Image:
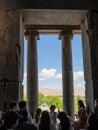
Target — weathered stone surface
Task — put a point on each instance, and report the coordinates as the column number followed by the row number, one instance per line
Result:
column 12, row 91
column 46, row 17
column 93, row 39
column 67, row 73
column 2, row 67
column 11, row 4
column 87, row 67
column 32, row 71
column 2, row 95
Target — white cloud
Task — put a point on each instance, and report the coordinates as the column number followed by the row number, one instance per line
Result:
column 58, row 76
column 78, row 74
column 51, row 73
column 47, row 73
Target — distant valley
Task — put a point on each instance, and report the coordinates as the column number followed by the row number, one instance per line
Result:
column 58, row 91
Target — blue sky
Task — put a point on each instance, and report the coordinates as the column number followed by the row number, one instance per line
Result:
column 50, row 62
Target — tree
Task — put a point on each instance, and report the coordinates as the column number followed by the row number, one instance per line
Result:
column 41, row 98
column 54, row 100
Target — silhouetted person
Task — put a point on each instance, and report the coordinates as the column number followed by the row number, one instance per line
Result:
column 13, row 106
column 96, row 106
column 53, row 115
column 64, row 121
column 93, row 122
column 36, row 119
column 80, row 105
column 23, row 124
column 10, row 121
column 23, row 106
column 45, row 123
column 81, row 122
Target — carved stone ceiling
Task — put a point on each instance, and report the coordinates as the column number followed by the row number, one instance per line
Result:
column 45, row 20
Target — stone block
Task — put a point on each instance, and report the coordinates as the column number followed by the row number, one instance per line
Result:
column 12, row 91
column 11, row 4
column 2, row 67
column 2, row 97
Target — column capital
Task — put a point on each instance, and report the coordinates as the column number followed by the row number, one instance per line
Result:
column 31, row 32
column 66, row 33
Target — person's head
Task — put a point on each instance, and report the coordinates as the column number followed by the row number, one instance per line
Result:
column 10, row 119
column 22, row 105
column 52, row 108
column 80, row 104
column 96, row 103
column 38, row 111
column 13, row 106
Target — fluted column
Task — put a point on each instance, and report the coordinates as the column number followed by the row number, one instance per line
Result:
column 67, row 73
column 32, row 71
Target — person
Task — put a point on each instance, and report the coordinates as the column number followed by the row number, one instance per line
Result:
column 64, row 121
column 10, row 121
column 96, row 106
column 81, row 122
column 23, row 106
column 80, row 105
column 23, row 124
column 45, row 123
column 1, row 116
column 53, row 115
column 92, row 122
column 13, row 106
column 36, row 119
column 93, row 117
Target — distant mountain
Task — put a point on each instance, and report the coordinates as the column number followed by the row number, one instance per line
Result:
column 58, row 91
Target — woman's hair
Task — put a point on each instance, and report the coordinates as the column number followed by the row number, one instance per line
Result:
column 64, row 121
column 37, row 114
column 81, row 104
column 38, row 111
column 44, row 121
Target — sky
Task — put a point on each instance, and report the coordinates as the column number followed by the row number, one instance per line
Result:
column 50, row 61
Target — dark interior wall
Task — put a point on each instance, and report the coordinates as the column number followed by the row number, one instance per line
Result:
column 54, row 4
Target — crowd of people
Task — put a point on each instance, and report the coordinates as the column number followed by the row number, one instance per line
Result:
column 18, row 118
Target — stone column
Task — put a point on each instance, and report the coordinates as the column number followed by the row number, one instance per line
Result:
column 92, row 20
column 67, row 73
column 32, row 71
column 10, row 53
column 87, row 68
